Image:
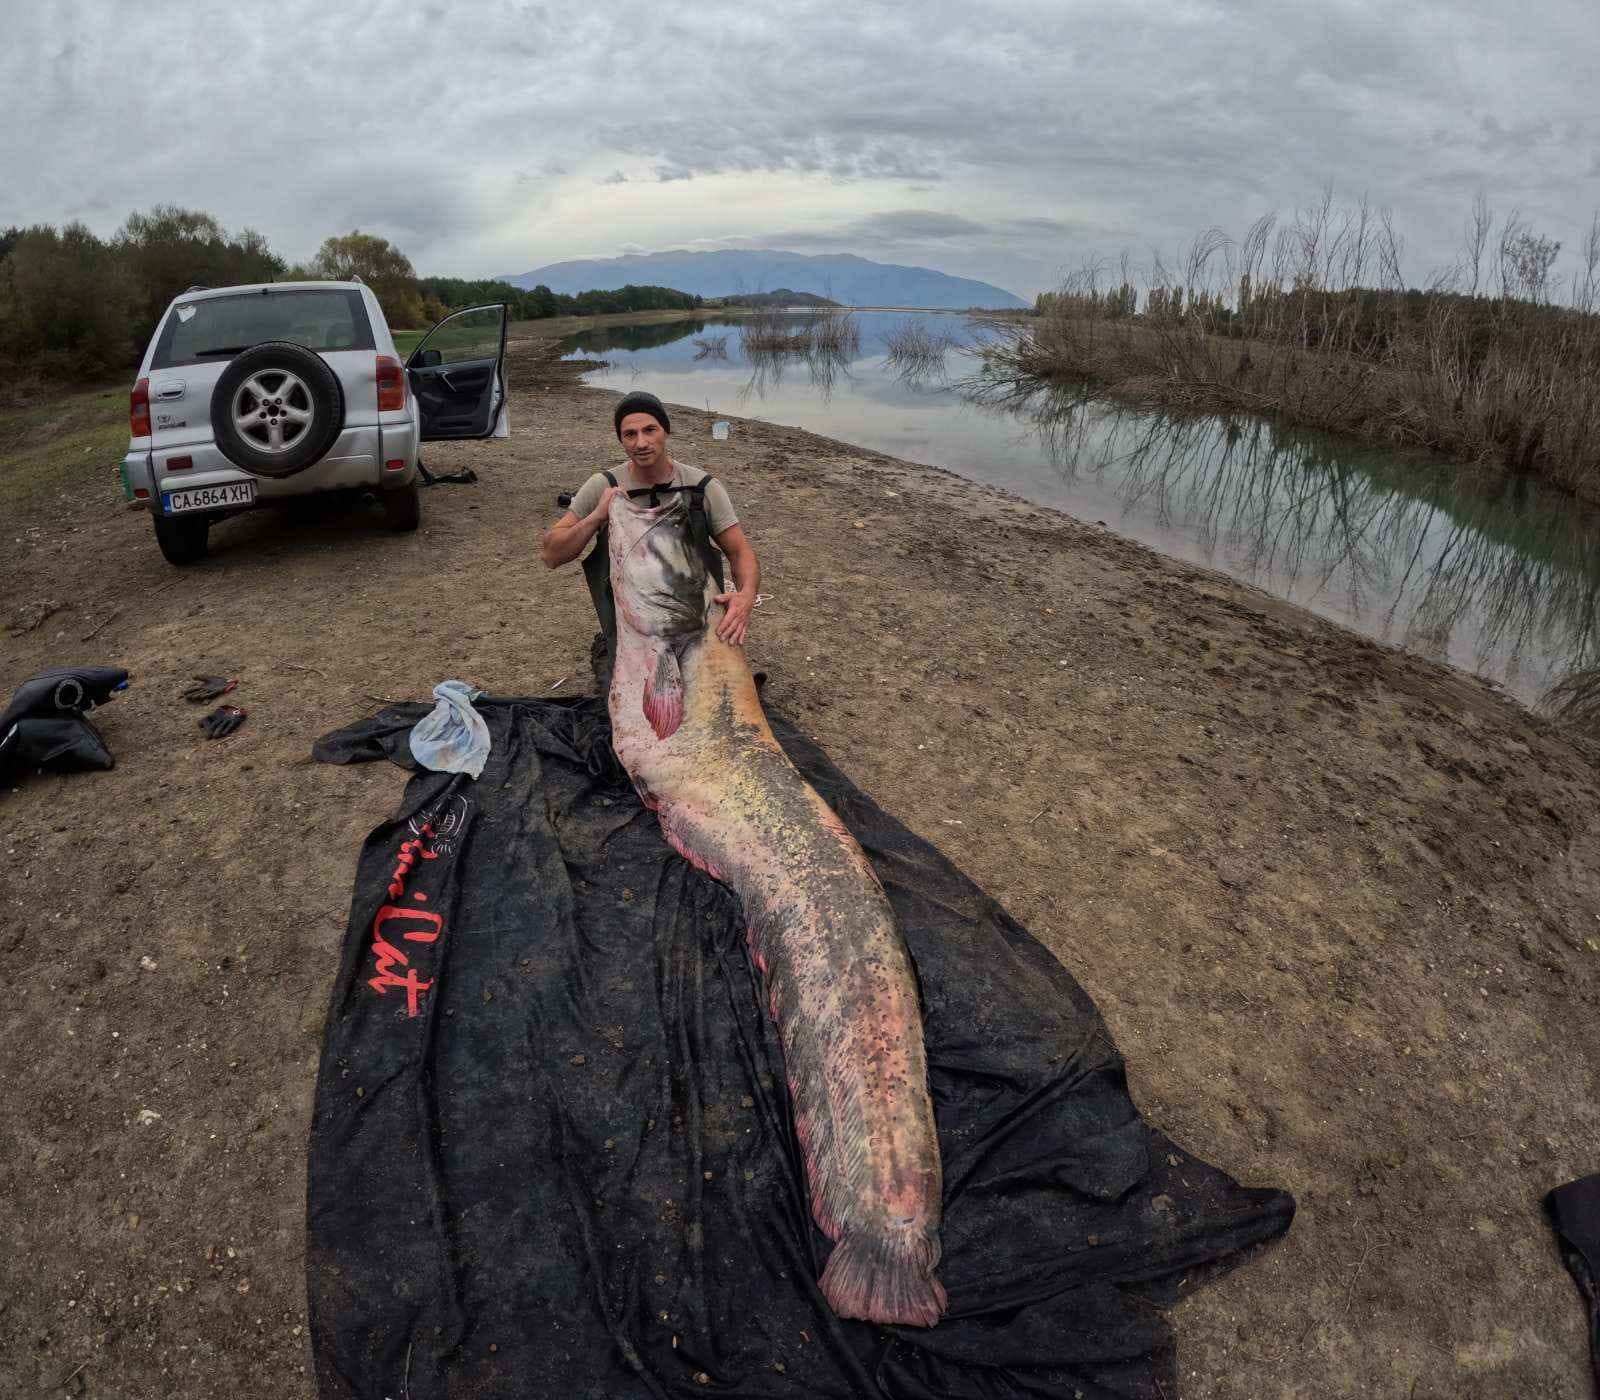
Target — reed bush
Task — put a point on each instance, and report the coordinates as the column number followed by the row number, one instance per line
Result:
column 917, row 351
column 772, row 332
column 1312, row 322
column 834, row 333
column 830, row 334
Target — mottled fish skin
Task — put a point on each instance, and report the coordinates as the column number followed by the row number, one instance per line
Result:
column 689, row 728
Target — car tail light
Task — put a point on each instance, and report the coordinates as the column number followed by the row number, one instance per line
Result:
column 391, row 384
column 396, row 464
column 179, row 464
column 140, row 494
column 139, row 410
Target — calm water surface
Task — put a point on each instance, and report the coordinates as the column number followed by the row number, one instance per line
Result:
column 1494, row 577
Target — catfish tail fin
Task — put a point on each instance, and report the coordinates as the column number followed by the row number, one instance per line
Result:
column 886, row 1278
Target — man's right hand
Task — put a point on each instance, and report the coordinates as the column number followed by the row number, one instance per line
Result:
column 566, row 539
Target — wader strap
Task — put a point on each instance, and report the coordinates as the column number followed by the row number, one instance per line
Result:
column 597, row 574
column 700, row 530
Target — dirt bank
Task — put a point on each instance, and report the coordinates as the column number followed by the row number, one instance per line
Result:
column 1339, row 906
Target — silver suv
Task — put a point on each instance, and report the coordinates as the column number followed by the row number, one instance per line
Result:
column 250, row 395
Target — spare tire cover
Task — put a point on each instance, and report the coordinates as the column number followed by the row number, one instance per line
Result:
column 277, row 408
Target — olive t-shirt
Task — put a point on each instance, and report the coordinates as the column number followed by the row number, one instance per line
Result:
column 720, row 514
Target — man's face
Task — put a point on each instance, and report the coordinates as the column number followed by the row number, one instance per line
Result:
column 644, row 440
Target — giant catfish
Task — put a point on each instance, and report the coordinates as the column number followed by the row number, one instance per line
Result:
column 688, row 727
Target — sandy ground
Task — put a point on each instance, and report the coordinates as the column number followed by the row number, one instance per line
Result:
column 1341, row 907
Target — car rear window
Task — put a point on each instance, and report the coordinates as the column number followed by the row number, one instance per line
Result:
column 218, row 328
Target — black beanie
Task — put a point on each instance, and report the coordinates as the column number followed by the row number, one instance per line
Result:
column 640, row 402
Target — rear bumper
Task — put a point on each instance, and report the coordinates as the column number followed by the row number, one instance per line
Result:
column 137, row 484
column 357, row 461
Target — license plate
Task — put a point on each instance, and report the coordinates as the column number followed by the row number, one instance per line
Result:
column 235, row 493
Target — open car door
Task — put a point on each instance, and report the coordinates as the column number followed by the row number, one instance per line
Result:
column 457, row 373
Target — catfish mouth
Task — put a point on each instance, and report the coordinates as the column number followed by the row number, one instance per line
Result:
column 662, row 578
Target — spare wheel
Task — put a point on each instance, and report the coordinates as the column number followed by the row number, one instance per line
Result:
column 277, row 408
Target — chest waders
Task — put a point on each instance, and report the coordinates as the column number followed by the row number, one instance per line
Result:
column 597, row 568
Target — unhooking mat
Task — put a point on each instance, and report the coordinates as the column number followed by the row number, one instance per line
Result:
column 552, row 1154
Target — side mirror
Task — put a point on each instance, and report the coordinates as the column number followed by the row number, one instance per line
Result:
column 427, row 359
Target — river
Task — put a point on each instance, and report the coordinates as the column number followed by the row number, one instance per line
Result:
column 1497, row 577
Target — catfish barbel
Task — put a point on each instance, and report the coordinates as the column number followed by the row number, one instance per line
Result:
column 688, row 726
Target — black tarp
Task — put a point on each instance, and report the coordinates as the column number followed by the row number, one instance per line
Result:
column 551, row 1152
column 1574, row 1213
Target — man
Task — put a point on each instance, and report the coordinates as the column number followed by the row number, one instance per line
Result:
column 642, row 427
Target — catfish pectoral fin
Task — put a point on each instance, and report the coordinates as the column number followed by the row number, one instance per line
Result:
column 663, row 694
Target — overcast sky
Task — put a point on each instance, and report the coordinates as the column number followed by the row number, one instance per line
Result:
column 1004, row 141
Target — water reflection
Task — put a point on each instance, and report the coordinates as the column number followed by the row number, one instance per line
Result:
column 710, row 347
column 1491, row 574
column 603, row 340
column 824, row 371
column 1499, row 577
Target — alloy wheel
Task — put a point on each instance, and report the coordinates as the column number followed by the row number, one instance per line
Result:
column 272, row 410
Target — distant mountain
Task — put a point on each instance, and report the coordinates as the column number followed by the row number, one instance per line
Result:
column 844, row 277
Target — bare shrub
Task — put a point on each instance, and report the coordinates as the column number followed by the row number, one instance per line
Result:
column 917, row 351
column 1574, row 701
column 771, row 331
column 1313, row 321
column 834, row 333
column 828, row 334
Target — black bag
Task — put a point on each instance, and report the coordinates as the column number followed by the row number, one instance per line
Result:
column 552, row 1152
column 44, row 726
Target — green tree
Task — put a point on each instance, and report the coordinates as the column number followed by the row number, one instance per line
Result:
column 379, row 264
column 68, row 305
column 169, row 249
column 545, row 302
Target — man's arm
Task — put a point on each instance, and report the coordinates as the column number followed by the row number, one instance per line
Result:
column 569, row 536
column 746, row 584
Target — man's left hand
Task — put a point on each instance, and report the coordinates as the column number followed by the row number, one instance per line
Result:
column 736, row 620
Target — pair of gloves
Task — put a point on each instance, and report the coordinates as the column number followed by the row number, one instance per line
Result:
column 223, row 720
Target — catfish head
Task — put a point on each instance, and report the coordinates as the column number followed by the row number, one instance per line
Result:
column 660, row 584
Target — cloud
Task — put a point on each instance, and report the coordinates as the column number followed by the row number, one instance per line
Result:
column 893, row 224
column 873, row 232
column 1037, row 224
column 1516, row 139
column 1030, row 133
